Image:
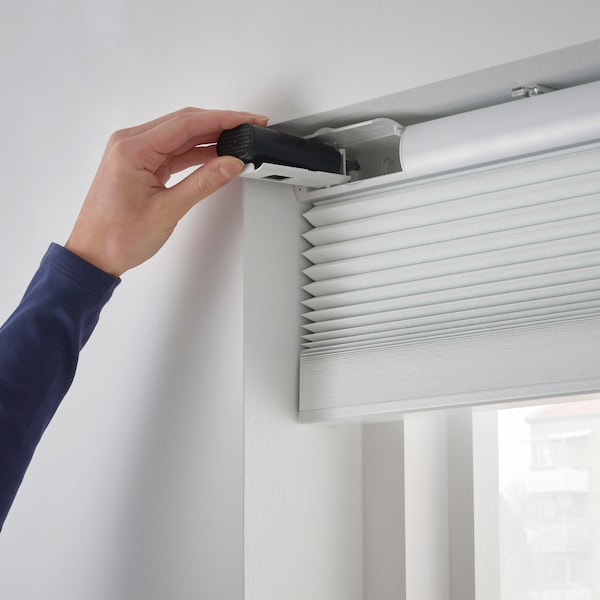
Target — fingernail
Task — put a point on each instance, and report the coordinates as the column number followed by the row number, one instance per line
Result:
column 257, row 117
column 231, row 168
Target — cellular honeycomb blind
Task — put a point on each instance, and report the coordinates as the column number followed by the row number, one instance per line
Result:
column 477, row 286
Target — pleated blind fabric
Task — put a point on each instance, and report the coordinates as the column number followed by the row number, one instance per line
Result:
column 446, row 264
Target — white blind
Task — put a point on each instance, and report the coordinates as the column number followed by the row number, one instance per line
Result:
column 444, row 290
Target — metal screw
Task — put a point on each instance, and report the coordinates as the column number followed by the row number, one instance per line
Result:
column 527, row 91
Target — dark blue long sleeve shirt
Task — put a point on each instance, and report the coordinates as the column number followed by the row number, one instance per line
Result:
column 39, row 350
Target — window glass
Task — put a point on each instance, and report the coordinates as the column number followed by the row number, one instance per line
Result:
column 549, row 512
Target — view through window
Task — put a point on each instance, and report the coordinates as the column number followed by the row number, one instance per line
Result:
column 549, row 472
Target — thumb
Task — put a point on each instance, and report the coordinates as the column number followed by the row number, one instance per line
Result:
column 205, row 181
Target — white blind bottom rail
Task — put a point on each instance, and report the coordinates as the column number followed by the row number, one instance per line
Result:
column 556, row 358
column 457, row 262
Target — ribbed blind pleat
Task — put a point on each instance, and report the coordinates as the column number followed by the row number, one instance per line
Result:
column 552, row 168
column 510, row 246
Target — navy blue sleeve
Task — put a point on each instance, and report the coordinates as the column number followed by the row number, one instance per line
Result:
column 39, row 350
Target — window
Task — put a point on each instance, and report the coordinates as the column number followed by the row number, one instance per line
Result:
column 494, row 503
column 438, row 298
column 548, row 518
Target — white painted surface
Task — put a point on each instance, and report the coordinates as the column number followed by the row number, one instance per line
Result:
column 486, row 504
column 303, row 485
column 383, row 511
column 460, row 505
column 136, row 491
column 426, row 507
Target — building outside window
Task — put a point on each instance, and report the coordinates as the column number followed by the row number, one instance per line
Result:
column 550, row 502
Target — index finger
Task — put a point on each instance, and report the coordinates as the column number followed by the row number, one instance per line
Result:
column 184, row 129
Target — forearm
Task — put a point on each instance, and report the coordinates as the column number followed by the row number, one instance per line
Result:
column 128, row 214
column 39, row 351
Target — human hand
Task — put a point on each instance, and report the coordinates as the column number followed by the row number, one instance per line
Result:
column 129, row 213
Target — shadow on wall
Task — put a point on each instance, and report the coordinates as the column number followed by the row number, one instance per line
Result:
column 183, row 522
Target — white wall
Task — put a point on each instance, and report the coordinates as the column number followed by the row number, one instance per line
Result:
column 136, row 491
column 303, row 485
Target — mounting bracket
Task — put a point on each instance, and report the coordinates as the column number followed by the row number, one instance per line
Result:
column 371, row 147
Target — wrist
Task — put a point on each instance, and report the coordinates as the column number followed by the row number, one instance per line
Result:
column 92, row 256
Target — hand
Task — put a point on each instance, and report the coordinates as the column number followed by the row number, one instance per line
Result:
column 129, row 213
